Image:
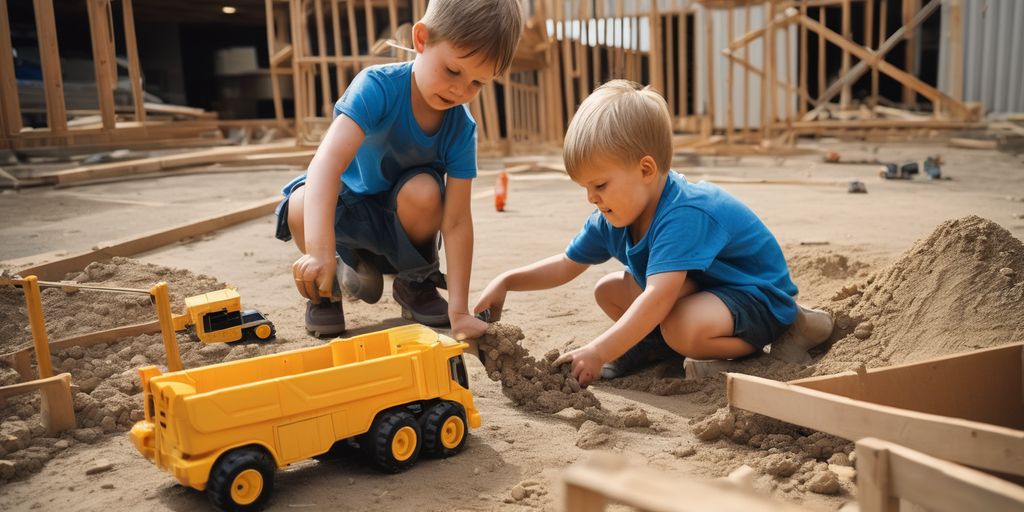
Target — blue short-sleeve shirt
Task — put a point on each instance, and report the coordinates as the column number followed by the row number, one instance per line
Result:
column 379, row 101
column 704, row 230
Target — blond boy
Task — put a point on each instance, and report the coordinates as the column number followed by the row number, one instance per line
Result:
column 395, row 169
column 704, row 277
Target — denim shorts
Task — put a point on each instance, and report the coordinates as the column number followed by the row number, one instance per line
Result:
column 752, row 321
column 367, row 227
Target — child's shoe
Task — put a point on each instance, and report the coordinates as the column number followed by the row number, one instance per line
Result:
column 421, row 302
column 365, row 282
column 650, row 350
column 811, row 328
column 326, row 318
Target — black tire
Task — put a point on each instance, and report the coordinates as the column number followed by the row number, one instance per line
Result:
column 231, row 485
column 444, row 429
column 381, row 447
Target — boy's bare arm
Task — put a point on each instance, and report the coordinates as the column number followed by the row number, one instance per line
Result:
column 646, row 313
column 314, row 271
column 457, row 230
column 547, row 273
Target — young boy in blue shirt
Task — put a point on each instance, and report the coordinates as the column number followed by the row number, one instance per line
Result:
column 704, row 277
column 395, row 169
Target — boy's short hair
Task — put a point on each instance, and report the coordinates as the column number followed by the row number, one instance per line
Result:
column 620, row 119
column 489, row 27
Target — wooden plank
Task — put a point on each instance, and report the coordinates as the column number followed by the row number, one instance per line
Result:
column 84, row 340
column 845, row 96
column 883, row 34
column 607, row 478
column 947, row 386
column 909, row 8
column 956, row 51
column 969, row 442
column 54, row 265
column 803, row 62
column 326, row 97
column 746, row 72
column 684, row 63
column 771, row 94
column 9, row 102
column 934, row 484
column 730, row 69
column 102, row 58
column 822, row 15
column 710, row 56
column 134, row 69
column 49, row 56
column 207, row 156
column 340, row 72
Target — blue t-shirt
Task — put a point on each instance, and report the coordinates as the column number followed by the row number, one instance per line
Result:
column 704, row 230
column 379, row 101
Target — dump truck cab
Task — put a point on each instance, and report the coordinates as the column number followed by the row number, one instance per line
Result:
column 225, row 428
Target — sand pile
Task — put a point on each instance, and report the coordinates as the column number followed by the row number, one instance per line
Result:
column 959, row 289
column 109, row 398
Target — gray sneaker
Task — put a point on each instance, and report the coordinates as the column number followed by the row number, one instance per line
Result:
column 365, row 282
column 325, row 319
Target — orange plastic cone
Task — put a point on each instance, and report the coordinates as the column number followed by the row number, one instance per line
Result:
column 501, row 191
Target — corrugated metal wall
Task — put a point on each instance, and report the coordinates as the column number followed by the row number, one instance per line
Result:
column 993, row 50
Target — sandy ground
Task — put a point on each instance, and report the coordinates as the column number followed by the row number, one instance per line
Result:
column 832, row 239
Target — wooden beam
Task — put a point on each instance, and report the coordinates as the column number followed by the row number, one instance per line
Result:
column 272, row 51
column 969, row 442
column 730, row 93
column 956, row 52
column 822, row 16
column 709, row 41
column 11, row 113
column 49, row 56
column 891, row 472
column 883, row 34
column 54, row 265
column 846, row 96
column 684, row 63
column 134, row 69
column 910, row 7
column 803, row 62
column 326, row 97
column 103, row 58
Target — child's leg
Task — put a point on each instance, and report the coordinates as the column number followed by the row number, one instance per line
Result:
column 295, row 224
column 419, row 209
column 615, row 292
column 700, row 326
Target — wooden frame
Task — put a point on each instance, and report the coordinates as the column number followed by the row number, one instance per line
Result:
column 965, row 408
column 589, row 486
column 887, row 473
column 56, row 407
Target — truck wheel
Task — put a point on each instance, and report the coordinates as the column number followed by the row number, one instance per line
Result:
column 242, row 479
column 264, row 331
column 393, row 442
column 444, row 429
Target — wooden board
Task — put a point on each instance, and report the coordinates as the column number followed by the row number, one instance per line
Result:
column 981, row 445
column 887, row 473
column 57, row 412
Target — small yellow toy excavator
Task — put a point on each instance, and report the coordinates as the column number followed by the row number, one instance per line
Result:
column 218, row 317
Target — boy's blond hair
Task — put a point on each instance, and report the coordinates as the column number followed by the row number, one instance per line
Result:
column 488, row 27
column 623, row 120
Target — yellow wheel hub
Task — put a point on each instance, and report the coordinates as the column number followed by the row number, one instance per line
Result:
column 263, row 331
column 403, row 444
column 247, row 487
column 452, row 432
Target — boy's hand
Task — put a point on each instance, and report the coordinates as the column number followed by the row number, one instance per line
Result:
column 466, row 326
column 314, row 277
column 492, row 299
column 586, row 364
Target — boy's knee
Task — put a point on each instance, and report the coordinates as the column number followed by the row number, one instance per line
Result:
column 607, row 285
column 421, row 193
column 682, row 338
column 295, row 207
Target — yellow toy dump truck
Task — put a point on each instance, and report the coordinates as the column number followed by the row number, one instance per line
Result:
column 218, row 317
column 225, row 428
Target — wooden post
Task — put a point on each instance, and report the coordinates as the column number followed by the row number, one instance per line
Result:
column 883, row 14
column 654, row 57
column 371, row 24
column 166, row 318
column 846, row 96
column 873, row 478
column 822, row 17
column 134, row 70
column 710, row 42
column 341, row 80
column 567, row 66
column 787, row 49
column 956, row 53
column 909, row 8
column 275, row 87
column 772, row 100
column 730, row 93
column 670, row 65
column 327, row 106
column 746, row 73
column 34, row 306
column 102, row 56
column 803, row 60
column 11, row 113
column 49, row 56
column 684, row 63
column 392, row 22
column 353, row 39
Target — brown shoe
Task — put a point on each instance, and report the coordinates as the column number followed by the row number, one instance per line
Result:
column 325, row 319
column 420, row 302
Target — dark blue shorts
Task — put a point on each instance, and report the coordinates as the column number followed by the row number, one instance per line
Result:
column 367, row 226
column 752, row 321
